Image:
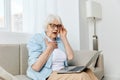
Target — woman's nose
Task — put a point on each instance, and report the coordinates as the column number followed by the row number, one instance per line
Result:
column 56, row 28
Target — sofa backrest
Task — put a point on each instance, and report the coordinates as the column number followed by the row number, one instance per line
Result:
column 9, row 58
column 23, row 58
column 13, row 58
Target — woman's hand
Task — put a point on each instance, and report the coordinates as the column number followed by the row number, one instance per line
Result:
column 51, row 44
column 63, row 32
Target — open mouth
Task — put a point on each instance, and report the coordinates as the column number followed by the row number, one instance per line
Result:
column 54, row 32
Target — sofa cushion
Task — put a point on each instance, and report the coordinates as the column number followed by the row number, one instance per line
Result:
column 82, row 58
column 22, row 77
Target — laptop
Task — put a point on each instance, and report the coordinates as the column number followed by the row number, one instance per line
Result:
column 77, row 69
column 71, row 69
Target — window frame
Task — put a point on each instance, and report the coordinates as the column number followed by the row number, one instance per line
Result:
column 7, row 17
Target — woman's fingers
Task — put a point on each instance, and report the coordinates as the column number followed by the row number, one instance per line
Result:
column 52, row 44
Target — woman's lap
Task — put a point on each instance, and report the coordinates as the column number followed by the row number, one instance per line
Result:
column 88, row 75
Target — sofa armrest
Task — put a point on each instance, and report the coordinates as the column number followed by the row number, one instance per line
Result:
column 99, row 62
column 99, row 67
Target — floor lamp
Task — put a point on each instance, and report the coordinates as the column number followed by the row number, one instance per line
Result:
column 93, row 13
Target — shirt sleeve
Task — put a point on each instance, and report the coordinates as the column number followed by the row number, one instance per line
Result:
column 34, row 49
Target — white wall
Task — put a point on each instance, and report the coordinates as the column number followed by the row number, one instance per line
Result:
column 73, row 17
column 70, row 18
column 108, row 30
column 84, row 29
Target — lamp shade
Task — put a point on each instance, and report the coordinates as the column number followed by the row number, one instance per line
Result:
column 93, row 10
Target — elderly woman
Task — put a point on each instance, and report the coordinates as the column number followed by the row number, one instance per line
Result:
column 49, row 51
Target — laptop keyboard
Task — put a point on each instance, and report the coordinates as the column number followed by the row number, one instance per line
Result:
column 77, row 68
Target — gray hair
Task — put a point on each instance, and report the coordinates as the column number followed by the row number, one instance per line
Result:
column 50, row 19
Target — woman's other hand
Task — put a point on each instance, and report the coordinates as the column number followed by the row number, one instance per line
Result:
column 63, row 32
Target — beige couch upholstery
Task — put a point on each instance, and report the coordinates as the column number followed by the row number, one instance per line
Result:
column 13, row 58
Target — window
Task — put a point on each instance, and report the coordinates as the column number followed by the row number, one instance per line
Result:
column 16, row 15
column 1, row 13
column 11, row 15
column 25, row 15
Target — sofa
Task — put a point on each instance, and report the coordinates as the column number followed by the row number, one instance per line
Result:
column 13, row 59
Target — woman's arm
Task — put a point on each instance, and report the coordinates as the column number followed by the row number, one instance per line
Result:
column 42, row 59
column 69, row 51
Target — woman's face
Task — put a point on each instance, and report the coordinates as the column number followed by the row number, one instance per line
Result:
column 53, row 29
